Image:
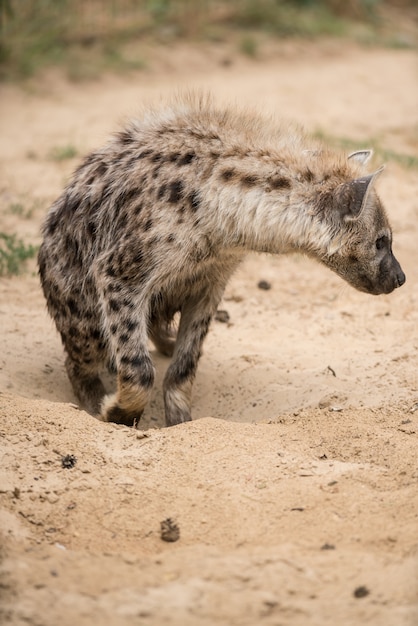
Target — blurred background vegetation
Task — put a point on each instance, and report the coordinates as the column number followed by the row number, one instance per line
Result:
column 78, row 34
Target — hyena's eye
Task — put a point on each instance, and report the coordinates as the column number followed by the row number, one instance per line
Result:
column 381, row 242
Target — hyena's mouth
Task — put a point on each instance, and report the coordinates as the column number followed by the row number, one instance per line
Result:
column 382, row 286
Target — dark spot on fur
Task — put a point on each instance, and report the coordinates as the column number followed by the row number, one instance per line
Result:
column 91, row 229
column 73, row 307
column 125, row 198
column 175, row 191
column 138, row 208
column 128, row 378
column 145, row 375
column 130, row 325
column 89, row 159
column 96, row 334
column 185, row 369
column 125, row 137
column 124, row 338
column 148, row 224
column 194, row 200
column 157, row 158
column 110, row 271
column 161, row 191
column 114, row 329
column 186, row 158
column 170, row 239
column 101, row 168
column 138, row 259
column 72, row 202
column 280, row 182
column 249, row 180
column 308, row 175
column 114, row 305
column 122, row 221
column 128, row 303
column 228, row 174
column 144, row 154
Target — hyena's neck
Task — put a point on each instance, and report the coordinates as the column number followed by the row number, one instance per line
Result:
column 262, row 219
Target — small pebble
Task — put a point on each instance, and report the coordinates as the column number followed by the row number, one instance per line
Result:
column 264, row 284
column 68, row 461
column 361, row 592
column 169, row 530
column 222, row 316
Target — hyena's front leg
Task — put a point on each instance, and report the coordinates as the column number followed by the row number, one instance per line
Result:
column 178, row 381
column 127, row 327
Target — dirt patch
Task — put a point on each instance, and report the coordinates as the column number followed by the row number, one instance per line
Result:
column 296, row 501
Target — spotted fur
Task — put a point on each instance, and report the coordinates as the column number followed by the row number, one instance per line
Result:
column 156, row 221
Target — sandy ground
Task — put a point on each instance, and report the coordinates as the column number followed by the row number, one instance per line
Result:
column 295, row 487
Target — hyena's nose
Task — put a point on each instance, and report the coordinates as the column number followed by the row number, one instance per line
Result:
column 401, row 278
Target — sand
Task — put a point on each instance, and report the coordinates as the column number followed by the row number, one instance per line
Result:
column 295, row 487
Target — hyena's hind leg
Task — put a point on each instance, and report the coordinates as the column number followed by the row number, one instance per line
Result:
column 128, row 341
column 85, row 355
column 196, row 316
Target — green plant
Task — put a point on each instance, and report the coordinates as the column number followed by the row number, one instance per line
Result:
column 62, row 153
column 248, row 46
column 13, row 254
column 19, row 209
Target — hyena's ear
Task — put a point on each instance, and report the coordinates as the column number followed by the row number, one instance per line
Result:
column 352, row 196
column 361, row 156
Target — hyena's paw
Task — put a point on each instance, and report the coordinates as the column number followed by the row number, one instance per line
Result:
column 177, row 400
column 87, row 386
column 112, row 411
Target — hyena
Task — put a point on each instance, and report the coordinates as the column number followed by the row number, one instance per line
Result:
column 156, row 221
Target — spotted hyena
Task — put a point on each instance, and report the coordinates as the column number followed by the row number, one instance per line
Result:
column 156, row 221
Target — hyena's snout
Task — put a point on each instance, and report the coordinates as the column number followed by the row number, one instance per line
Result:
column 398, row 276
column 390, row 276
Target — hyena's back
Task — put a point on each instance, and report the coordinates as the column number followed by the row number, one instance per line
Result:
column 156, row 222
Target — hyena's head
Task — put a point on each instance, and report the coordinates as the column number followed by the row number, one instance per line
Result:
column 360, row 244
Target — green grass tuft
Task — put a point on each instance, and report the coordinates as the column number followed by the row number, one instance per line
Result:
column 248, row 46
column 63, row 153
column 19, row 209
column 14, row 254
